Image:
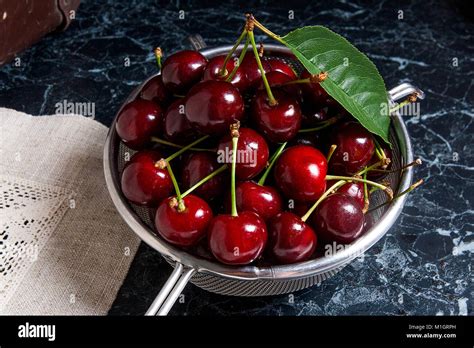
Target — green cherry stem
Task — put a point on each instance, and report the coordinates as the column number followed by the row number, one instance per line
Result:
column 323, row 124
column 241, row 58
column 408, row 190
column 275, row 156
column 169, row 143
column 204, row 180
column 331, row 152
column 332, row 189
column 266, row 31
column 186, row 148
column 235, row 140
column 231, row 52
column 366, row 195
column 411, row 99
column 271, row 99
column 379, row 151
column 386, row 189
column 181, row 206
column 158, row 54
column 307, row 80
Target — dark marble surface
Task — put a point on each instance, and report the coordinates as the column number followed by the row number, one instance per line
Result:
column 423, row 265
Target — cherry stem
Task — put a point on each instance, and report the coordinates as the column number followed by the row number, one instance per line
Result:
column 366, row 195
column 235, row 140
column 374, row 166
column 332, row 189
column 411, row 99
column 169, row 143
column 416, row 162
column 204, row 180
column 223, row 70
column 386, row 189
column 379, row 151
column 408, row 190
column 241, row 58
column 181, row 206
column 275, row 156
column 331, row 152
column 271, row 99
column 158, row 55
column 186, row 148
column 306, row 80
column 324, row 124
column 267, row 31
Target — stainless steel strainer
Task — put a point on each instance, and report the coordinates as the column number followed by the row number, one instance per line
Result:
column 253, row 280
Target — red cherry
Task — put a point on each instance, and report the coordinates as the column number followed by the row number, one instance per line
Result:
column 276, row 79
column 197, row 166
column 313, row 93
column 155, row 91
column 262, row 200
column 338, row 218
column 355, row 148
column 312, row 116
column 182, row 70
column 290, row 239
column 213, row 70
column 184, row 228
column 142, row 182
column 279, row 123
column 250, row 68
column 137, row 122
column 353, row 189
column 252, row 153
column 176, row 126
column 281, row 66
column 237, row 240
column 300, row 173
column 212, row 106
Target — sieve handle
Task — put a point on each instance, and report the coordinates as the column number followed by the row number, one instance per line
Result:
column 403, row 90
column 171, row 290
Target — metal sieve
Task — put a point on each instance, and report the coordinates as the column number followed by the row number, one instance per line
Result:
column 253, row 280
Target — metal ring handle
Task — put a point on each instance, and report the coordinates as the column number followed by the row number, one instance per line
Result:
column 403, row 90
column 171, row 290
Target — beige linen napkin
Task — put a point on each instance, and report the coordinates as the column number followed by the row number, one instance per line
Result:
column 63, row 247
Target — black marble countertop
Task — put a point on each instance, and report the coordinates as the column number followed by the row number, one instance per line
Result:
column 423, row 265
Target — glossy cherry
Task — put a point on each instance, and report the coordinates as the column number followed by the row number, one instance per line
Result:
column 338, row 218
column 313, row 93
column 143, row 182
column 212, row 106
column 182, row 70
column 214, row 67
column 176, row 127
column 137, row 122
column 197, row 166
column 300, row 173
column 277, row 79
column 262, row 200
column 183, row 228
column 355, row 148
column 279, row 123
column 156, row 91
column 237, row 240
column 352, row 189
column 290, row 239
column 313, row 116
column 250, row 68
column 252, row 153
column 279, row 65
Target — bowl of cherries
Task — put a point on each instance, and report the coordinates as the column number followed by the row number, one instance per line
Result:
column 258, row 170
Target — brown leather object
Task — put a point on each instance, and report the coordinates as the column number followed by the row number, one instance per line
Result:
column 23, row 22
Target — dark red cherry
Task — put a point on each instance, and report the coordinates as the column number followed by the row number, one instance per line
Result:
column 300, row 173
column 237, row 240
column 355, row 148
column 281, row 66
column 250, row 68
column 142, row 182
column 352, row 189
column 308, row 138
column 182, row 70
column 183, row 228
column 252, row 153
column 176, row 126
column 137, row 122
column 279, row 123
column 214, row 67
column 197, row 166
column 155, row 91
column 290, row 239
column 313, row 116
column 276, row 79
column 313, row 93
column 262, row 200
column 212, row 106
column 338, row 218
